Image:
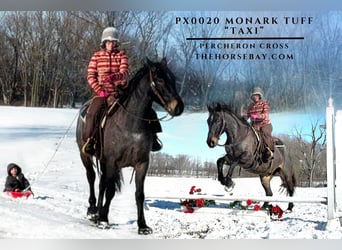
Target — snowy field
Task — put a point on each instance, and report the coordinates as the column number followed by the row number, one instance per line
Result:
column 42, row 142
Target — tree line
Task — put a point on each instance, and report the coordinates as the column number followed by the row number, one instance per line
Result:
column 44, row 57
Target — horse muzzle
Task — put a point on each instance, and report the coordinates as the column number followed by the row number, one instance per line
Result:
column 175, row 107
column 212, row 141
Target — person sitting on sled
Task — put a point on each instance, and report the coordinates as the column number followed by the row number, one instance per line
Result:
column 16, row 181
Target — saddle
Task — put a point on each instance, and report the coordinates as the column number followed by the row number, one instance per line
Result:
column 108, row 111
column 262, row 149
column 100, row 122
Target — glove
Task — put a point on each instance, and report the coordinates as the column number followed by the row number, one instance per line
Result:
column 110, row 100
column 112, row 78
column 255, row 116
column 103, row 93
column 109, row 78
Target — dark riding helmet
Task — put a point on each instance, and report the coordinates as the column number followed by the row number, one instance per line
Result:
column 257, row 91
column 109, row 34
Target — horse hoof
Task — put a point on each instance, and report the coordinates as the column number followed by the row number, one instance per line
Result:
column 103, row 225
column 92, row 217
column 145, row 231
column 229, row 188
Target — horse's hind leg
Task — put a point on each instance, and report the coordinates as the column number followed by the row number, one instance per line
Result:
column 140, row 173
column 289, row 183
column 91, row 176
column 102, row 212
column 266, row 184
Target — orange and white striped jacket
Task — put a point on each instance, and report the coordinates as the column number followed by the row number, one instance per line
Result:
column 103, row 64
column 262, row 108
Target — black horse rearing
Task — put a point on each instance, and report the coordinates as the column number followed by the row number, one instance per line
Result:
column 242, row 148
column 127, row 139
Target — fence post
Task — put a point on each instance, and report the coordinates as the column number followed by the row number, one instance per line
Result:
column 331, row 167
column 338, row 162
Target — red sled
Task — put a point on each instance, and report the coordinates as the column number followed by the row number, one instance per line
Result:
column 14, row 194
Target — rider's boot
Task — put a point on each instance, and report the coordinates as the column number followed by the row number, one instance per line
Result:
column 267, row 155
column 156, row 144
column 270, row 153
column 89, row 147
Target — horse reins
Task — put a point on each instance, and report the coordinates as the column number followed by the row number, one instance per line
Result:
column 255, row 161
column 156, row 92
column 222, row 129
column 141, row 118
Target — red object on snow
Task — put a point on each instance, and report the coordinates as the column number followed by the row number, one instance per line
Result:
column 14, row 194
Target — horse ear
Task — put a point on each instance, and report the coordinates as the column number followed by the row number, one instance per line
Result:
column 148, row 61
column 164, row 62
column 210, row 109
column 218, row 106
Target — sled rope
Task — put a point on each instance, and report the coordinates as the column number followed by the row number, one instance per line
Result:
column 56, row 149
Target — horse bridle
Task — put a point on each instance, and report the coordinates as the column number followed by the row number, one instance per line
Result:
column 224, row 125
column 233, row 145
column 222, row 129
column 156, row 92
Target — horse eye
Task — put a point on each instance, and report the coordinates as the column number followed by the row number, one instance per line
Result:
column 159, row 80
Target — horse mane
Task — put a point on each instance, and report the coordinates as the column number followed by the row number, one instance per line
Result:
column 136, row 78
column 132, row 83
column 143, row 71
column 232, row 109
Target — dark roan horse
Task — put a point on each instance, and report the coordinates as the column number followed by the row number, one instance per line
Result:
column 243, row 147
column 127, row 139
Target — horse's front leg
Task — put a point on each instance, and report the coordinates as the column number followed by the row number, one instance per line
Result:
column 225, row 180
column 228, row 180
column 140, row 174
column 220, row 162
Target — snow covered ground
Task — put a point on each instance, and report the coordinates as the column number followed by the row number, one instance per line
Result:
column 42, row 142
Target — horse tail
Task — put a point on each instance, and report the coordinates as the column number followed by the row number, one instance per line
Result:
column 289, row 180
column 287, row 173
column 118, row 179
column 289, row 183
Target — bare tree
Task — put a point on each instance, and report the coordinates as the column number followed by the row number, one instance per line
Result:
column 311, row 147
column 9, row 61
column 44, row 55
column 184, row 51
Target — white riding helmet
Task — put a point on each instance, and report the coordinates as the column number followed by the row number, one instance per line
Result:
column 257, row 91
column 109, row 34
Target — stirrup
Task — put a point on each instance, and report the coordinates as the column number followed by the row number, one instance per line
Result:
column 88, row 147
column 266, row 155
column 269, row 154
column 156, row 144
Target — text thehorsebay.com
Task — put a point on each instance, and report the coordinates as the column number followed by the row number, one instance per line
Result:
column 245, row 38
